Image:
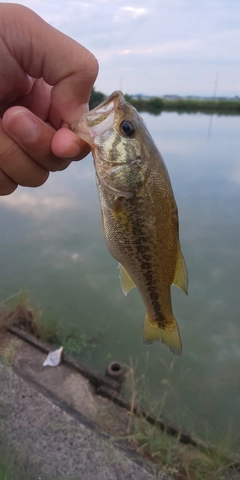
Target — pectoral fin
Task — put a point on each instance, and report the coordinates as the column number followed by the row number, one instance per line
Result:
column 181, row 274
column 103, row 224
column 125, row 280
column 170, row 338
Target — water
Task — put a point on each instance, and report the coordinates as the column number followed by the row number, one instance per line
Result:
column 52, row 247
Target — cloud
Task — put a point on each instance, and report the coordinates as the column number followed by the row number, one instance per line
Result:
column 133, row 11
column 28, row 203
column 236, row 175
column 175, row 49
column 61, row 194
column 154, row 46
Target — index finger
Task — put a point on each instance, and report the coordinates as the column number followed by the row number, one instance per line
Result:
column 43, row 51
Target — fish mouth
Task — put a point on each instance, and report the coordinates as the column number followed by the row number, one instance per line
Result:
column 100, row 119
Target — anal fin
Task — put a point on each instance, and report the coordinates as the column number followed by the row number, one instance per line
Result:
column 126, row 282
column 181, row 274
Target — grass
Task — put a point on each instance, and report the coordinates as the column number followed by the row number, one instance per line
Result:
column 43, row 327
column 183, row 462
column 12, row 466
column 7, row 352
column 180, row 461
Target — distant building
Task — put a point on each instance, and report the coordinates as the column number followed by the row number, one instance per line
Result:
column 140, row 95
column 171, row 97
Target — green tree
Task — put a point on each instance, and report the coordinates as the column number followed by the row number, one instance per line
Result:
column 96, row 98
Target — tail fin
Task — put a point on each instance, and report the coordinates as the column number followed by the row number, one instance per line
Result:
column 170, row 338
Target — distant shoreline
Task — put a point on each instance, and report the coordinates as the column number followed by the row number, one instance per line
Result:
column 157, row 105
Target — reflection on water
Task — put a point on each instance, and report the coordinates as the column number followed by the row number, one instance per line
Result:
column 52, row 247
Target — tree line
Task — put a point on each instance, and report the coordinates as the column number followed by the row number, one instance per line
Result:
column 157, row 105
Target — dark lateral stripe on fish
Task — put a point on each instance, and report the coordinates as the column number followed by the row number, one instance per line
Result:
column 141, row 244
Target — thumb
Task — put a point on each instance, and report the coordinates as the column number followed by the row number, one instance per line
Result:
column 43, row 51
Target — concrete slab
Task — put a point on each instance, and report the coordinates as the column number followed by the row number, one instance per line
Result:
column 48, row 415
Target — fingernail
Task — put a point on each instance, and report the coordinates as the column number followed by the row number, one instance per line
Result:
column 22, row 126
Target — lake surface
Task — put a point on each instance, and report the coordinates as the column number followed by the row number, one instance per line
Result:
column 52, row 247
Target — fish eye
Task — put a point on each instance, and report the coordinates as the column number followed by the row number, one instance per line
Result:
column 127, row 128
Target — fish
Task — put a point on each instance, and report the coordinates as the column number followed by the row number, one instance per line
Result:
column 139, row 212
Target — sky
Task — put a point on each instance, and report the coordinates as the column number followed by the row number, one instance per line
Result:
column 155, row 47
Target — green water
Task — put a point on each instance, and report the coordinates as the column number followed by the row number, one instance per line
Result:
column 52, row 247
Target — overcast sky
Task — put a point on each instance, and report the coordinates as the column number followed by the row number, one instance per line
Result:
column 155, row 47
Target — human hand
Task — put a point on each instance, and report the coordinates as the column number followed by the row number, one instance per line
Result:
column 45, row 83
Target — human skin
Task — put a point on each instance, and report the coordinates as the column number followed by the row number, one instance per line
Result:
column 45, row 83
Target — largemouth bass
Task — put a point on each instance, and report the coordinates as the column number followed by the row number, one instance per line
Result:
column 139, row 212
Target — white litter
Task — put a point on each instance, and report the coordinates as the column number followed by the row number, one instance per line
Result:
column 54, row 358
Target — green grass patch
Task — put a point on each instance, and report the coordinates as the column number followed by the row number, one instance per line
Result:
column 45, row 327
column 12, row 465
column 182, row 462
